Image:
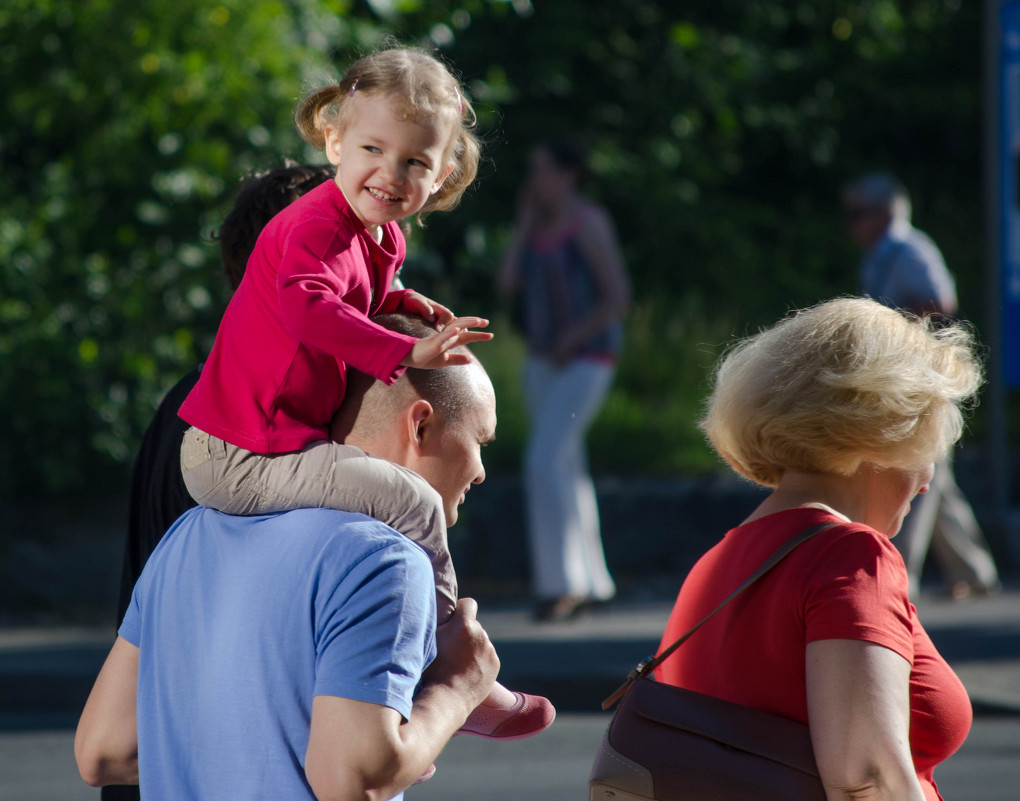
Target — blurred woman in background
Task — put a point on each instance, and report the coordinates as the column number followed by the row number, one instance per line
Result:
column 565, row 263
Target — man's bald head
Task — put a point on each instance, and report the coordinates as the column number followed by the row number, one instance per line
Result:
column 369, row 405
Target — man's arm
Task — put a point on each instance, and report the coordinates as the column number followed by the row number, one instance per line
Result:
column 358, row 751
column 106, row 742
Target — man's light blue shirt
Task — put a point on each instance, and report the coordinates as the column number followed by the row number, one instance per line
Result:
column 240, row 621
column 905, row 269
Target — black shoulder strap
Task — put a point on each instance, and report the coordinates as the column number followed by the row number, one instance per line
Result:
column 648, row 665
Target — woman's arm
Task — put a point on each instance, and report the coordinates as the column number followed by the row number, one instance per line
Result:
column 858, row 696
column 106, row 742
column 508, row 280
column 601, row 249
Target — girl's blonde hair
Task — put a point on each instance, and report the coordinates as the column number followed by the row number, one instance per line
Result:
column 424, row 88
column 842, row 383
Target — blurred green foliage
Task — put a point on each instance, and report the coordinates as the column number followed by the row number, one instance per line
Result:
column 720, row 132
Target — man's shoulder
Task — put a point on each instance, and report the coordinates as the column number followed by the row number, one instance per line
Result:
column 319, row 523
column 298, row 543
column 911, row 245
column 301, row 532
column 333, row 524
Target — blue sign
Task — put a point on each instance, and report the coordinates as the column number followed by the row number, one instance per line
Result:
column 1009, row 198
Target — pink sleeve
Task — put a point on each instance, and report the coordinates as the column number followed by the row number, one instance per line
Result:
column 321, row 306
column 857, row 590
column 392, row 301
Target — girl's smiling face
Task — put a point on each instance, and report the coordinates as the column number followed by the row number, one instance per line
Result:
column 387, row 165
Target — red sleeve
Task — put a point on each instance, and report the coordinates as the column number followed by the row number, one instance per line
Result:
column 857, row 590
column 392, row 301
column 323, row 305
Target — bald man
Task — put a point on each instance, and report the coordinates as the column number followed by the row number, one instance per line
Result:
column 278, row 656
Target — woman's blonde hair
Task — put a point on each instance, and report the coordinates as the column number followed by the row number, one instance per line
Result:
column 424, row 88
column 842, row 383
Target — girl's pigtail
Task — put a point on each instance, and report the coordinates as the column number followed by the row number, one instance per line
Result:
column 308, row 115
column 466, row 155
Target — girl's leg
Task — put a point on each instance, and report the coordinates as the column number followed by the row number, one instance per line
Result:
column 324, row 474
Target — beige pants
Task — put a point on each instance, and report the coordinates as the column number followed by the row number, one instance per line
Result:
column 324, row 474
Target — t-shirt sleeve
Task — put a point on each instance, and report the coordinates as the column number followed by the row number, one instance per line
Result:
column 131, row 626
column 375, row 631
column 857, row 589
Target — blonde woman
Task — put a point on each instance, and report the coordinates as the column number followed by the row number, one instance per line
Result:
column 841, row 410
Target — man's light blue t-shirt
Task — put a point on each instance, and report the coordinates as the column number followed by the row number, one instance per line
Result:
column 240, row 621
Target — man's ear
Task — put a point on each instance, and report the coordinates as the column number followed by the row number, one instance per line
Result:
column 439, row 181
column 421, row 420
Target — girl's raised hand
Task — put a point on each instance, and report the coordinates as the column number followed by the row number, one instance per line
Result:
column 436, row 313
column 435, row 351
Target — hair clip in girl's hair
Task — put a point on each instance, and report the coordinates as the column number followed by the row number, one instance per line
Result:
column 350, row 92
column 460, row 106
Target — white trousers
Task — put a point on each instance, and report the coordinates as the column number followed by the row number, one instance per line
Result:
column 563, row 516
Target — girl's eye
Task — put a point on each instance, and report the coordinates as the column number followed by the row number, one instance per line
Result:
column 372, row 149
column 417, row 163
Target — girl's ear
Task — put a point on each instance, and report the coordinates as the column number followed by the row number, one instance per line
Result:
column 332, row 136
column 439, row 181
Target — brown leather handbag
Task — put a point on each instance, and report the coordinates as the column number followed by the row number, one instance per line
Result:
column 666, row 743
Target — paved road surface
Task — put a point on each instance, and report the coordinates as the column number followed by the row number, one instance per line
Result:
column 45, row 674
column 39, row 766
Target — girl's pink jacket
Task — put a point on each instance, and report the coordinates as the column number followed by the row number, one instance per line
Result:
column 277, row 371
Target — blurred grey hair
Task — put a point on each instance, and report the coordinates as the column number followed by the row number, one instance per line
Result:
column 881, row 190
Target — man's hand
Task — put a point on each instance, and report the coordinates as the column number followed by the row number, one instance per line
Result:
column 360, row 751
column 434, row 352
column 466, row 660
column 436, row 313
